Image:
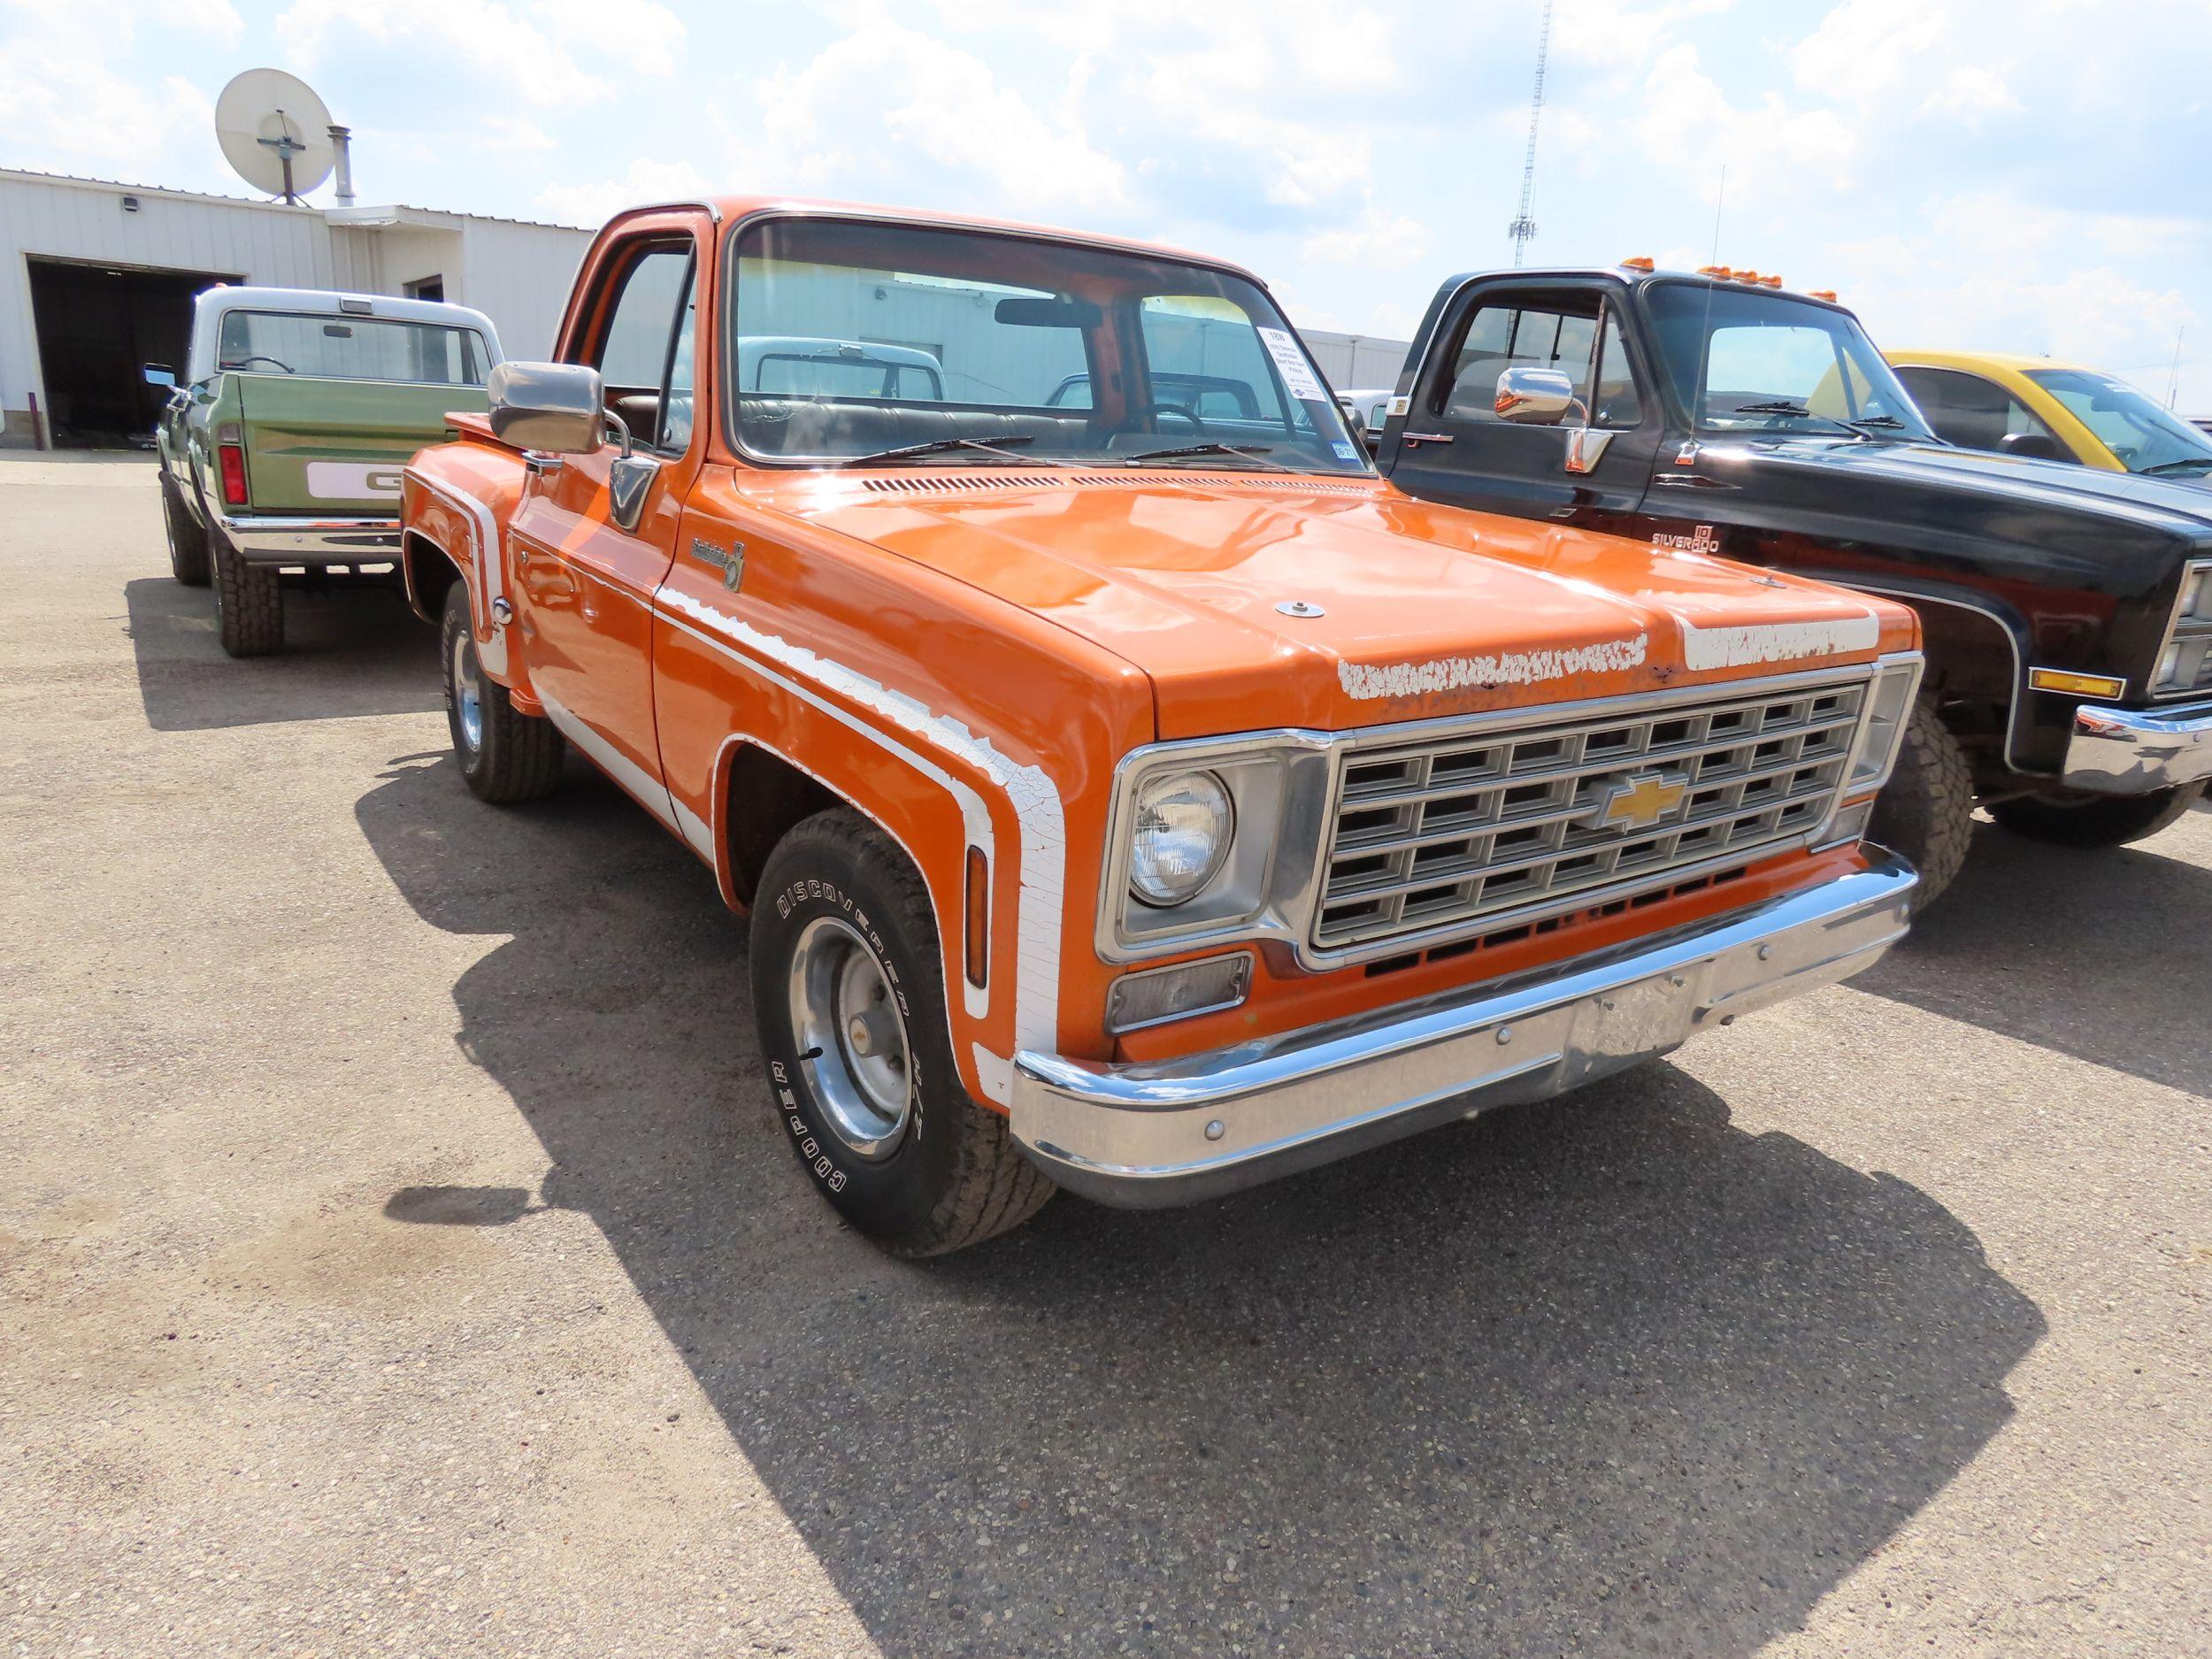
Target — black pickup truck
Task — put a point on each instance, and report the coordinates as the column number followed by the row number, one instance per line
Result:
column 2068, row 614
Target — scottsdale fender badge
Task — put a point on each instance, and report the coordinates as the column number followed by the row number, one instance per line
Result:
column 732, row 563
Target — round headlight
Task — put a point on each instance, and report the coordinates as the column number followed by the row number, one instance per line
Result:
column 1184, row 822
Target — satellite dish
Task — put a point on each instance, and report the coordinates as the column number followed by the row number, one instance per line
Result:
column 275, row 132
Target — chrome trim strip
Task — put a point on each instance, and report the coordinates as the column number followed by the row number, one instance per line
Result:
column 2012, row 641
column 2136, row 751
column 1172, row 1131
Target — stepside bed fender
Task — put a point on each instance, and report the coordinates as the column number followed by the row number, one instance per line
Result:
column 457, row 502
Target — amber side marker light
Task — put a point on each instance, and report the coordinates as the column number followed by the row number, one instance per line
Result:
column 979, row 912
column 2081, row 684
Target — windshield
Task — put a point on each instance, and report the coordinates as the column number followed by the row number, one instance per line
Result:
column 1745, row 360
column 988, row 348
column 350, row 349
column 2145, row 437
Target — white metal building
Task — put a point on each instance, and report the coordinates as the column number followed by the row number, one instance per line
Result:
column 97, row 278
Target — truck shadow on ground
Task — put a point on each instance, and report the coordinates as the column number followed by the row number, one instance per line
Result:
column 2103, row 955
column 1609, row 1377
column 345, row 653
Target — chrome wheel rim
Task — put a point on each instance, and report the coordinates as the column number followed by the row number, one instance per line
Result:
column 851, row 1036
column 468, row 692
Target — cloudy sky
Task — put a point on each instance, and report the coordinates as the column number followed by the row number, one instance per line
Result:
column 2031, row 175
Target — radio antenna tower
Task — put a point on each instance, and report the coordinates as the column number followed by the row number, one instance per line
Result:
column 1523, row 230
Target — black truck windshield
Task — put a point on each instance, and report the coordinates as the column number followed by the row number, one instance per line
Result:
column 1746, row 360
column 862, row 340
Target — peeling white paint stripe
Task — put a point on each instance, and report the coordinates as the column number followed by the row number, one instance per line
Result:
column 1034, row 797
column 492, row 646
column 651, row 792
column 1776, row 641
column 1513, row 668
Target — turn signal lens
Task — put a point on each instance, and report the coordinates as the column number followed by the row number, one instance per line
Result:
column 232, row 460
column 1159, row 994
column 979, row 917
column 2083, row 684
column 1184, row 822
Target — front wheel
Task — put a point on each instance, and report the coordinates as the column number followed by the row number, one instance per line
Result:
column 850, row 1002
column 187, row 541
column 1927, row 809
column 505, row 756
column 2074, row 819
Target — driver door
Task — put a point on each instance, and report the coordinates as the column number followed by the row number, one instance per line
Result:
column 1456, row 447
column 585, row 581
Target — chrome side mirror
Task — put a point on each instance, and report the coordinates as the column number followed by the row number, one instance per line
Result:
column 1534, row 397
column 558, row 407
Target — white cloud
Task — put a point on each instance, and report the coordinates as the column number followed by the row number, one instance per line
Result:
column 888, row 108
column 65, row 107
column 594, row 202
column 1379, row 241
column 487, row 37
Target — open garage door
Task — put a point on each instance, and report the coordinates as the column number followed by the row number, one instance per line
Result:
column 97, row 325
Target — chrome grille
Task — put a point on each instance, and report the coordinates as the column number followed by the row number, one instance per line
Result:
column 2185, row 663
column 1516, row 822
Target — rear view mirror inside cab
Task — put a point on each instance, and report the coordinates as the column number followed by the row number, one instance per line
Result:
column 1048, row 313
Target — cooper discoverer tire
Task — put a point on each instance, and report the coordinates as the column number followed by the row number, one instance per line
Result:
column 504, row 754
column 2096, row 820
column 248, row 604
column 1926, row 809
column 187, row 541
column 849, row 998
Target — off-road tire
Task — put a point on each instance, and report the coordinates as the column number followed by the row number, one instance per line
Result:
column 958, row 1176
column 516, row 757
column 1927, row 809
column 187, row 541
column 248, row 604
column 2096, row 820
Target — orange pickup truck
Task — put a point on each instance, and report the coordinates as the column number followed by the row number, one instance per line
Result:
column 1130, row 791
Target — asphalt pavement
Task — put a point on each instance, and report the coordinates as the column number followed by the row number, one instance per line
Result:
column 399, row 1257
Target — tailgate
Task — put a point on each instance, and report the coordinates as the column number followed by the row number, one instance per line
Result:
column 337, row 446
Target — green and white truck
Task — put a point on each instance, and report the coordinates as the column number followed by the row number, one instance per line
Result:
column 281, row 445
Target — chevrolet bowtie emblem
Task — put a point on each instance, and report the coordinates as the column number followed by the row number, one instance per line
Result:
column 1639, row 802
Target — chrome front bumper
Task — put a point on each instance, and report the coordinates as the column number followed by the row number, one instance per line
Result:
column 275, row 539
column 1171, row 1132
column 2134, row 751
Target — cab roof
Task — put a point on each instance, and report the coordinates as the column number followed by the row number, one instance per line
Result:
column 2012, row 362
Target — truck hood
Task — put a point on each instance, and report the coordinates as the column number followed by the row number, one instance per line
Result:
column 1253, row 600
column 2180, row 506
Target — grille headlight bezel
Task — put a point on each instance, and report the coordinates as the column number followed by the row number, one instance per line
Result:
column 2188, row 638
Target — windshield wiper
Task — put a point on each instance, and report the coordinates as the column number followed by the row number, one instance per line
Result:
column 1785, row 407
column 1885, row 423
column 1240, row 452
column 996, row 444
column 2170, row 466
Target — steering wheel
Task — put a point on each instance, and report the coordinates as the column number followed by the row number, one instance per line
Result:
column 1128, row 422
column 240, row 362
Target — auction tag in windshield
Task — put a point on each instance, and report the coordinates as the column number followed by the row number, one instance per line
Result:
column 1297, row 373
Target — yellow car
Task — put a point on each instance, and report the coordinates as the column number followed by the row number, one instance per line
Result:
column 2054, row 411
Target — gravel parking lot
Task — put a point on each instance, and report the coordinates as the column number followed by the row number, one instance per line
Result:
column 399, row 1257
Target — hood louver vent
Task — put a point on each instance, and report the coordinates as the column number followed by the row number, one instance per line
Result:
column 970, row 484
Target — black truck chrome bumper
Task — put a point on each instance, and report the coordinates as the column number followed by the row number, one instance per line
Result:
column 2135, row 751
column 277, row 538
column 1170, row 1133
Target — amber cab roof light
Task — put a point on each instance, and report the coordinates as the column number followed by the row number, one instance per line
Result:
column 1639, row 262
column 1821, row 294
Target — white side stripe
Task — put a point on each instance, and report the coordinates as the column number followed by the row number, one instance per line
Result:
column 1776, row 641
column 1035, row 801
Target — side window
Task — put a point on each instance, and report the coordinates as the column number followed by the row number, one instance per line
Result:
column 645, row 355
column 1613, row 400
column 1501, row 337
column 1968, row 411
